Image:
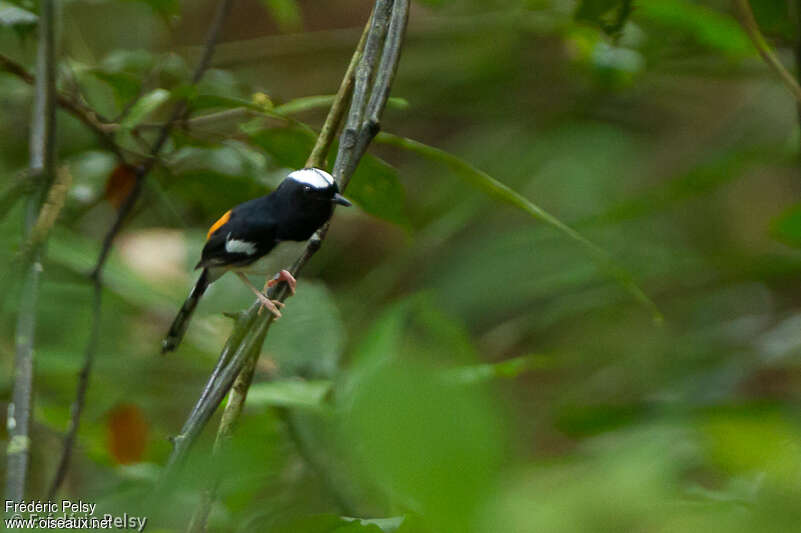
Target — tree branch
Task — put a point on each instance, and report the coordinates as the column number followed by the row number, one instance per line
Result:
column 42, row 164
column 179, row 112
column 249, row 333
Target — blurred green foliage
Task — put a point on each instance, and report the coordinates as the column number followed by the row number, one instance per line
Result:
column 450, row 363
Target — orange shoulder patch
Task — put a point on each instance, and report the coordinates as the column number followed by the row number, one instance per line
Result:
column 222, row 220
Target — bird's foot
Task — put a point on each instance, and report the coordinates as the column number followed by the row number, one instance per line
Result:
column 284, row 275
column 271, row 305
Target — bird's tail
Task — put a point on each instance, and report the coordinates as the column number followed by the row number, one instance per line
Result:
column 181, row 322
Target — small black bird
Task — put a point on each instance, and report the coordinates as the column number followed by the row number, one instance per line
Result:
column 260, row 236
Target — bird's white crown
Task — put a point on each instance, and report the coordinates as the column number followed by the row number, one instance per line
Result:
column 314, row 177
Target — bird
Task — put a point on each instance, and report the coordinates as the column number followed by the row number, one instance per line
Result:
column 260, row 236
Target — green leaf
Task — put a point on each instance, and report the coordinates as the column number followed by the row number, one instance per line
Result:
column 200, row 100
column 298, row 105
column 295, row 352
column 125, row 85
column 288, row 146
column 214, row 101
column 497, row 190
column 289, row 393
column 378, row 347
column 511, row 368
column 376, row 189
column 231, row 159
column 306, row 103
column 754, row 439
column 14, row 16
column 137, row 62
column 146, row 105
column 285, row 12
column 431, row 446
column 374, row 186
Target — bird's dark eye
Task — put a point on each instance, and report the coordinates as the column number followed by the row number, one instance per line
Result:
column 306, row 189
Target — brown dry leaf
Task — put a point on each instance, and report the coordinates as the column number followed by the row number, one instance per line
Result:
column 127, row 433
column 119, row 184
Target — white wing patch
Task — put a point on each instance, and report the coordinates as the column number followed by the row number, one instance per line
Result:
column 233, row 246
column 319, row 179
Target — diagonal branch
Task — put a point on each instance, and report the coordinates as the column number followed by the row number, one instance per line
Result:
column 42, row 165
column 369, row 119
column 355, row 137
column 245, row 341
column 179, row 113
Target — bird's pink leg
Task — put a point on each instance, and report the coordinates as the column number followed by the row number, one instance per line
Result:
column 272, row 305
column 284, row 275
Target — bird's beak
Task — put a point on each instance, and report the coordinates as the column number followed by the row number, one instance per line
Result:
column 341, row 200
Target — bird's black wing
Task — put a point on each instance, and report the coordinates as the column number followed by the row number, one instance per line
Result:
column 240, row 237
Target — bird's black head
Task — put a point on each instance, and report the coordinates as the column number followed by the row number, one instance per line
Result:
column 307, row 197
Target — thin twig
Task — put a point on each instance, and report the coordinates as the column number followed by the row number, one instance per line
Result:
column 347, row 159
column 179, row 112
column 42, row 164
column 748, row 22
